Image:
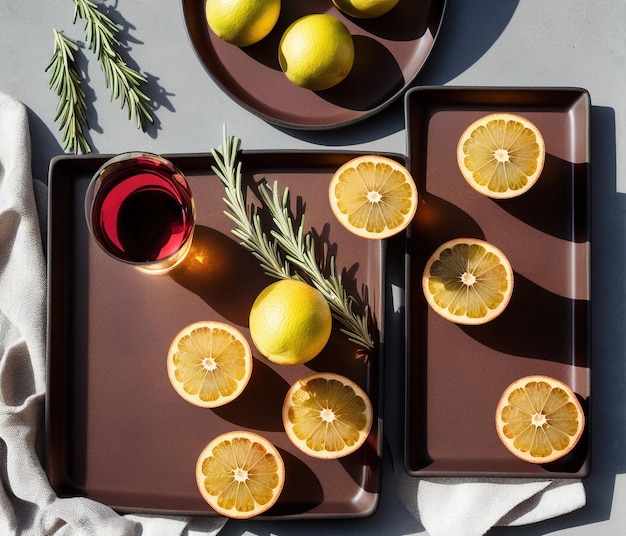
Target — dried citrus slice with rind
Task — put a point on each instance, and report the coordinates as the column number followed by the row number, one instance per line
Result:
column 468, row 281
column 327, row 415
column 209, row 363
column 240, row 474
column 539, row 419
column 373, row 196
column 501, row 155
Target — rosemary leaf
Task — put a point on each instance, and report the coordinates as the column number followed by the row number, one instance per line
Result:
column 123, row 81
column 287, row 253
column 65, row 82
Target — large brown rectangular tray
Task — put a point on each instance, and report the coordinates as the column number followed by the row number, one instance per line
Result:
column 116, row 430
column 455, row 373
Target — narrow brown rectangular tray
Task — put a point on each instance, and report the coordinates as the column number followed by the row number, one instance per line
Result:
column 116, row 430
column 455, row 373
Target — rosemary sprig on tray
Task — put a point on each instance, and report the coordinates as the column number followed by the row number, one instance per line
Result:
column 287, row 248
column 300, row 252
column 125, row 83
column 245, row 217
column 65, row 82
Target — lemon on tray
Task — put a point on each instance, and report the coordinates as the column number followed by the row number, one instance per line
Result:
column 316, row 52
column 373, row 196
column 327, row 415
column 501, row 155
column 242, row 22
column 209, row 363
column 240, row 474
column 290, row 322
column 539, row 419
column 468, row 281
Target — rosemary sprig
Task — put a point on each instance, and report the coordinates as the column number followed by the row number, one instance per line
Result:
column 245, row 217
column 65, row 82
column 300, row 252
column 125, row 83
column 296, row 246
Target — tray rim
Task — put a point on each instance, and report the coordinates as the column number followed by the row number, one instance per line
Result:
column 307, row 127
column 582, row 93
column 378, row 383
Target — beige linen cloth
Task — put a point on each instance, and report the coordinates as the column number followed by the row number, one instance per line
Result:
column 470, row 507
column 28, row 505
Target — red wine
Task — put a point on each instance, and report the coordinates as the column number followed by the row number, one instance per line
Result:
column 142, row 210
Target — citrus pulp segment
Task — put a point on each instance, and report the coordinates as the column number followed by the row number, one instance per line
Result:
column 468, row 281
column 539, row 419
column 209, row 363
column 240, row 474
column 373, row 196
column 290, row 322
column 501, row 155
column 327, row 415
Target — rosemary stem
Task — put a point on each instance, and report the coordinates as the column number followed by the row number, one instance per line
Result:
column 286, row 253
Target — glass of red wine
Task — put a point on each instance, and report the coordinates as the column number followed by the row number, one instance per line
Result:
column 140, row 210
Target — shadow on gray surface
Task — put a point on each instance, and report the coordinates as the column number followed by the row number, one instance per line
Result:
column 43, row 140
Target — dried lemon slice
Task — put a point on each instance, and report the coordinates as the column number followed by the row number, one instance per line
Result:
column 240, row 474
column 327, row 415
column 468, row 281
column 539, row 419
column 209, row 363
column 373, row 196
column 501, row 155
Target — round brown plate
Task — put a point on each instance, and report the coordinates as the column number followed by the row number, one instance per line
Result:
column 389, row 53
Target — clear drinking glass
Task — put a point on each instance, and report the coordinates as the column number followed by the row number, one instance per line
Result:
column 140, row 210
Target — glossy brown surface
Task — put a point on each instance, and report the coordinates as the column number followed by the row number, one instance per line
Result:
column 116, row 430
column 389, row 53
column 456, row 374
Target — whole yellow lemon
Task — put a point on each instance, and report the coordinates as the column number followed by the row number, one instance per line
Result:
column 365, row 9
column 290, row 322
column 316, row 51
column 242, row 22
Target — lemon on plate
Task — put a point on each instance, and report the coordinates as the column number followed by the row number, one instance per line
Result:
column 373, row 196
column 365, row 9
column 327, row 415
column 290, row 322
column 316, row 52
column 242, row 22
column 539, row 419
column 209, row 363
column 240, row 474
column 501, row 155
column 468, row 281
